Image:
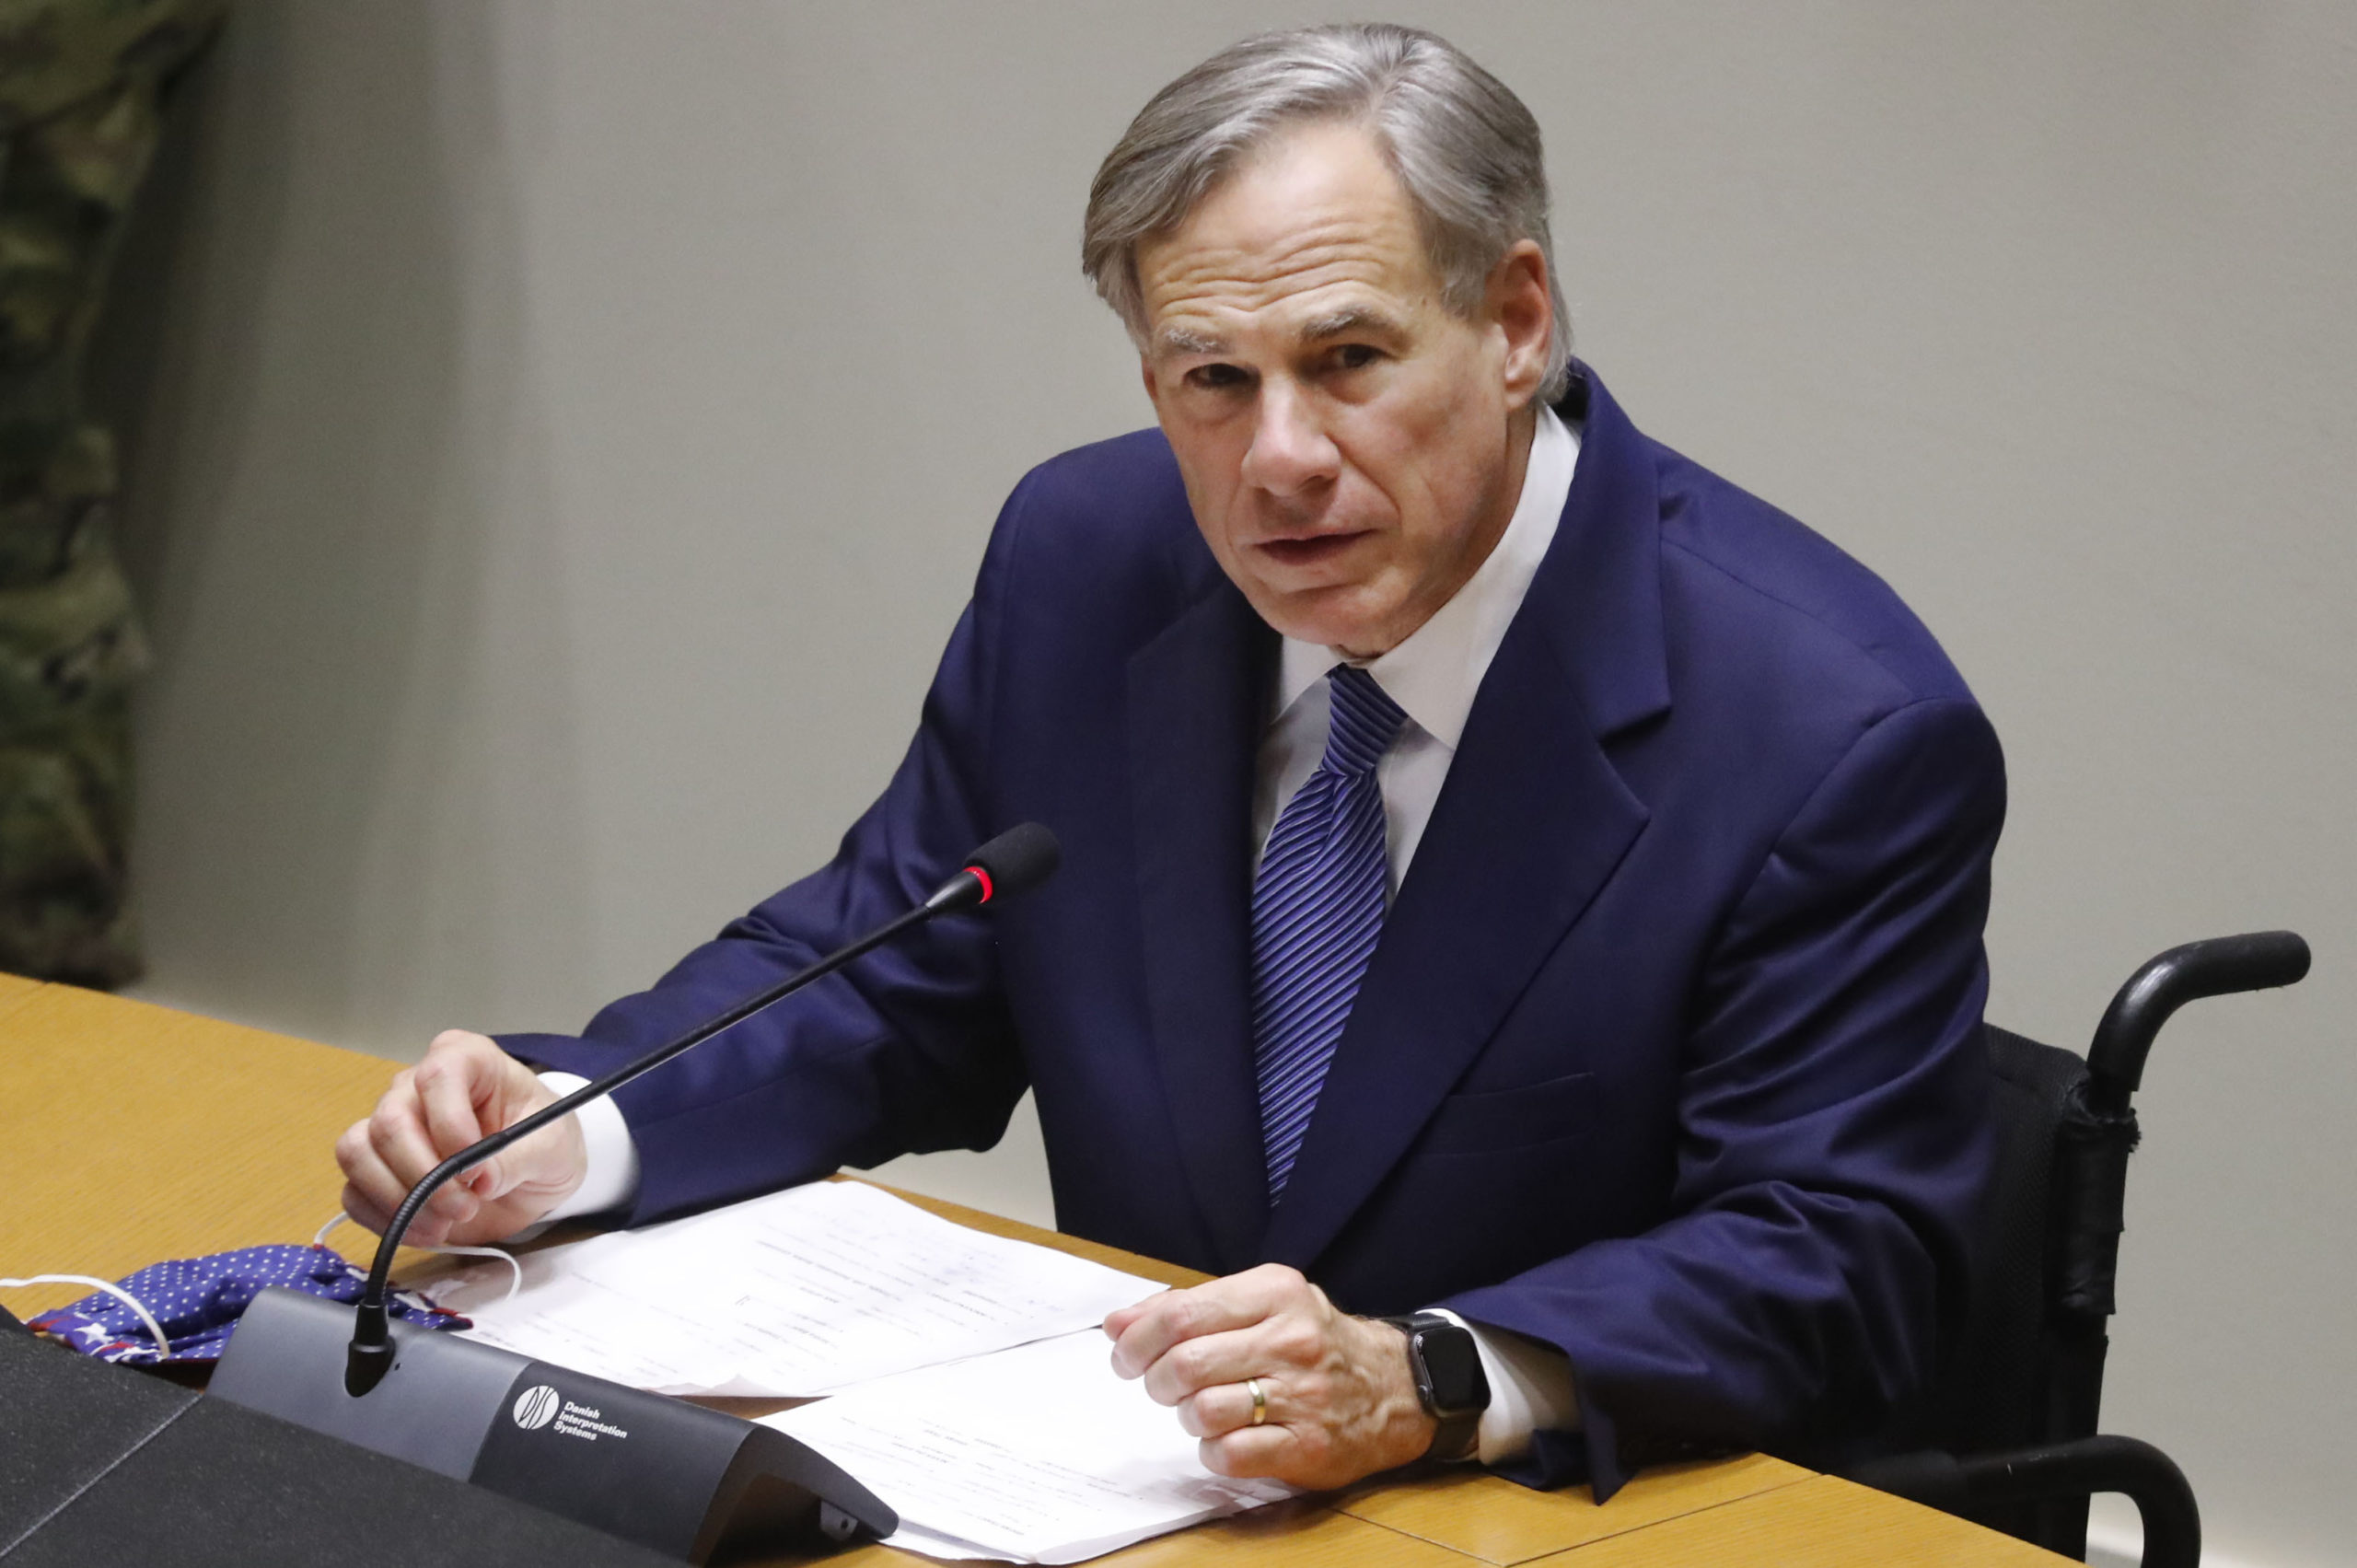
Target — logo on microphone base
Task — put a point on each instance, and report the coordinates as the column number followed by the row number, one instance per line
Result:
column 540, row 1406
column 536, row 1406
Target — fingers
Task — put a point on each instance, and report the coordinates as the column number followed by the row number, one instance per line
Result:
column 398, row 1132
column 1256, row 1451
column 1213, row 1361
column 1228, row 1407
column 414, row 1127
column 1117, row 1321
column 471, row 1088
column 448, row 1101
column 1156, row 1325
column 374, row 1190
column 363, row 1211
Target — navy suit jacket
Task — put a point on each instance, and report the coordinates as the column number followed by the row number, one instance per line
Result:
column 1669, row 1054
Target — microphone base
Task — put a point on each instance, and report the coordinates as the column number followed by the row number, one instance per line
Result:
column 650, row 1468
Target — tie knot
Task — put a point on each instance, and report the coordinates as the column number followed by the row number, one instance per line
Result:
column 1365, row 721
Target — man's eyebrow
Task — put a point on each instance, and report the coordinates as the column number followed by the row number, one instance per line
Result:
column 1187, row 340
column 1349, row 319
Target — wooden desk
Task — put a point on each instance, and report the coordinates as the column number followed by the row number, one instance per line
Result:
column 129, row 1133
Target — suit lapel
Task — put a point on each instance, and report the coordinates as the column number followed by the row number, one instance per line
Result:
column 1197, row 698
column 1532, row 821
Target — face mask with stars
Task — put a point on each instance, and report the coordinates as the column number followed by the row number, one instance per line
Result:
column 197, row 1302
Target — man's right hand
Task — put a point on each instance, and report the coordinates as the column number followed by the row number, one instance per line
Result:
column 465, row 1089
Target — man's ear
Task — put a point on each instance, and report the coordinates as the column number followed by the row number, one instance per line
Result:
column 1524, row 310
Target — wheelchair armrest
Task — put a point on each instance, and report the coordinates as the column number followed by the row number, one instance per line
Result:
column 2149, row 1478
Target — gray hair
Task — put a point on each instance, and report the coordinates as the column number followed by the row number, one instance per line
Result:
column 1463, row 147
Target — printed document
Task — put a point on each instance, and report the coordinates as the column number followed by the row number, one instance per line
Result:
column 803, row 1292
column 1038, row 1453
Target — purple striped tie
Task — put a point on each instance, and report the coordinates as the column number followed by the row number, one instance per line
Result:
column 1317, row 911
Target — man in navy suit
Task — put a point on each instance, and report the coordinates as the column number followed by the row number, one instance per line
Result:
column 1514, row 881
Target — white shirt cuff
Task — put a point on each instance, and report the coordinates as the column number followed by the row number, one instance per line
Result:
column 1531, row 1390
column 611, row 1179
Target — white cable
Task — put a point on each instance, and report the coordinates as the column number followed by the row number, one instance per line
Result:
column 515, row 1268
column 163, row 1345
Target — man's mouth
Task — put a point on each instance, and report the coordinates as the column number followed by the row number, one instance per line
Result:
column 1310, row 550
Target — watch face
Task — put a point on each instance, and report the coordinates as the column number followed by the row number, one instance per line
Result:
column 1454, row 1366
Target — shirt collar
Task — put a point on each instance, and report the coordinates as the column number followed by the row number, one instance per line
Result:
column 1434, row 673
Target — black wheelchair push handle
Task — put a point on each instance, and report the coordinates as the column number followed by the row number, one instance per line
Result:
column 2218, row 967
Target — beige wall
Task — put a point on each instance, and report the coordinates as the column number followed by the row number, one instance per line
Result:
column 578, row 421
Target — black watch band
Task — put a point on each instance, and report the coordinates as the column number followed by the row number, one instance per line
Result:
column 1446, row 1365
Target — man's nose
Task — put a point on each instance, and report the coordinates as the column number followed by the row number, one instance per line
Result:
column 1291, row 451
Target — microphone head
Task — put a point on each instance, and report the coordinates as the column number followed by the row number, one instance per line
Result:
column 1016, row 861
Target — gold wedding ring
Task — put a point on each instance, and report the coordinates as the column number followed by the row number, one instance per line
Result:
column 1259, row 1400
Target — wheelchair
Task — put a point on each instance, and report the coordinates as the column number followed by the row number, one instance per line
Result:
column 2008, row 1436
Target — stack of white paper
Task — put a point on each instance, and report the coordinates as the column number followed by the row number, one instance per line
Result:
column 1037, row 1455
column 804, row 1291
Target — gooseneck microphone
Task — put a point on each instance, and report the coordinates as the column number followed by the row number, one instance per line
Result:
column 673, row 1476
column 1012, row 863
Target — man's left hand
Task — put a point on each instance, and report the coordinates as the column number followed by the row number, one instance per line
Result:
column 1340, row 1400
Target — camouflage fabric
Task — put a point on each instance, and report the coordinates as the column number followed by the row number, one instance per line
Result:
column 81, row 85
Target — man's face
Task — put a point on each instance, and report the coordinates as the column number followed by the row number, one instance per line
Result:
column 1351, row 447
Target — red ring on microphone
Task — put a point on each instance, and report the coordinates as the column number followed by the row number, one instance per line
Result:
column 979, row 874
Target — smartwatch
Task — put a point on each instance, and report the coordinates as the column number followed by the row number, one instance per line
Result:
column 1449, row 1383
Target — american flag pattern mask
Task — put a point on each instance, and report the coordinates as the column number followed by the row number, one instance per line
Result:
column 197, row 1301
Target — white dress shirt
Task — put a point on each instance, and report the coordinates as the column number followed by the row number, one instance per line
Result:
column 1433, row 675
